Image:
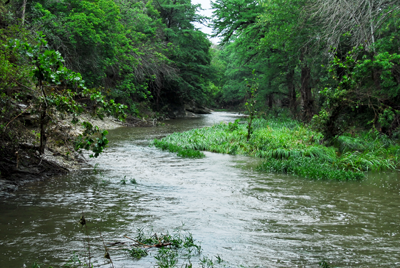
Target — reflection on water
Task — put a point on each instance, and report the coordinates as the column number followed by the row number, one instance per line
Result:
column 247, row 217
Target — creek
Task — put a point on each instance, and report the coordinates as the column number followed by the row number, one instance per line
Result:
column 245, row 216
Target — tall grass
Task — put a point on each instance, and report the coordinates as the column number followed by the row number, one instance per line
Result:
column 291, row 147
column 309, row 168
column 182, row 152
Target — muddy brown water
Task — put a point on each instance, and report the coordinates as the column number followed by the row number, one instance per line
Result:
column 247, row 217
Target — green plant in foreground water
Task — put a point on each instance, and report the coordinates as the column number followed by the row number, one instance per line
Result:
column 205, row 262
column 324, row 264
column 166, row 258
column 137, row 253
column 172, row 250
column 75, row 262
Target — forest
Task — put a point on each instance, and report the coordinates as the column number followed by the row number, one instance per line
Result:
column 333, row 65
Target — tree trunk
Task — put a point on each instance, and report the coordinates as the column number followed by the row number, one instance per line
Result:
column 331, row 130
column 376, row 75
column 306, row 97
column 23, row 12
column 292, row 91
column 271, row 95
column 270, row 100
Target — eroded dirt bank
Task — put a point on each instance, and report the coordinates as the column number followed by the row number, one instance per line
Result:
column 26, row 165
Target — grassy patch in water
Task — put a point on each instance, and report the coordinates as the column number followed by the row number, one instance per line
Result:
column 182, row 151
column 309, row 168
column 290, row 146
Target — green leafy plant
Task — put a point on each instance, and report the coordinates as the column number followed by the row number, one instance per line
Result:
column 137, row 253
column 166, row 258
column 324, row 264
column 234, row 126
column 76, row 262
column 205, row 262
column 57, row 87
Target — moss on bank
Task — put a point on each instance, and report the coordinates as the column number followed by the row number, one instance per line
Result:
column 291, row 147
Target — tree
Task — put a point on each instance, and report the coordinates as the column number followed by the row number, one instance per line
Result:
column 56, row 88
column 232, row 17
column 188, row 49
column 362, row 19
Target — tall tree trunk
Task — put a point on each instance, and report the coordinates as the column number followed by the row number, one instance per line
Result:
column 305, row 91
column 292, row 91
column 376, row 75
column 23, row 12
column 271, row 95
column 270, row 100
column 331, row 130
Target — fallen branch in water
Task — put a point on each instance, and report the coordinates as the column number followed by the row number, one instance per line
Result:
column 159, row 245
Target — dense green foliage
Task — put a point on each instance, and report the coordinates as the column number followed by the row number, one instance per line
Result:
column 50, row 91
column 335, row 63
column 136, row 51
column 289, row 146
column 63, row 58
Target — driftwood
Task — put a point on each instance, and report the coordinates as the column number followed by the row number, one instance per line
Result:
column 159, row 245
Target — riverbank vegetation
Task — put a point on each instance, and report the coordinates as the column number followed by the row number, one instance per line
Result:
column 103, row 57
column 289, row 146
column 334, row 64
column 181, row 151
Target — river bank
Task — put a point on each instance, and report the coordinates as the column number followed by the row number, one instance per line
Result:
column 58, row 158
